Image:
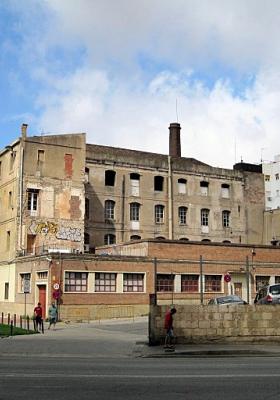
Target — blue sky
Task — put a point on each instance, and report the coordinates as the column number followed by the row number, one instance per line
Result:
column 117, row 69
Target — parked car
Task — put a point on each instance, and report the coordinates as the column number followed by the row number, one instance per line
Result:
column 268, row 295
column 227, row 300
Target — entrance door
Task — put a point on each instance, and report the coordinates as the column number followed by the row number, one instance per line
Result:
column 43, row 298
column 238, row 289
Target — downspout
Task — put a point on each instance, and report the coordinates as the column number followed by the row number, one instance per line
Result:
column 123, row 208
column 170, row 201
column 21, row 193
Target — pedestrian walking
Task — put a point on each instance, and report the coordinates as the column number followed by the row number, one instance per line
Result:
column 52, row 315
column 38, row 315
column 168, row 325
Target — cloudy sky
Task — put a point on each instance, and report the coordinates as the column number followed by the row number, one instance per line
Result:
column 122, row 70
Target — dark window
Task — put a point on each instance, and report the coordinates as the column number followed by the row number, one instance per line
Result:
column 213, row 283
column 262, row 281
column 76, row 281
column 135, row 237
column 165, row 283
column 110, row 178
column 204, row 188
column 105, row 282
column 158, row 183
column 109, row 239
column 133, row 282
column 6, row 294
column 134, row 176
column 189, row 283
column 87, row 207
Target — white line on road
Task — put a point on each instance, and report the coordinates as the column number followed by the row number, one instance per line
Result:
column 119, row 376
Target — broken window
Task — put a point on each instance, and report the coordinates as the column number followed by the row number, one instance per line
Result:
column 204, row 188
column 182, row 186
column 158, row 183
column 110, row 177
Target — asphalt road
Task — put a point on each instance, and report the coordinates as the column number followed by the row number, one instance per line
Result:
column 102, row 362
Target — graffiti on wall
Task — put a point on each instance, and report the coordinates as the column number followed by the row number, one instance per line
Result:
column 60, row 232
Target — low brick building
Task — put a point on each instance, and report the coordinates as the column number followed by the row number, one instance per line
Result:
column 122, row 281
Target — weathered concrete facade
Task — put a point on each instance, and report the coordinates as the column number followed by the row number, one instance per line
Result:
column 201, row 324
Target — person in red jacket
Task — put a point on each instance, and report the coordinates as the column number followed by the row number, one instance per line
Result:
column 38, row 314
column 168, row 325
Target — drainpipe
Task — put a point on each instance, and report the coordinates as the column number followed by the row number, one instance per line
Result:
column 21, row 192
column 123, row 208
column 170, row 201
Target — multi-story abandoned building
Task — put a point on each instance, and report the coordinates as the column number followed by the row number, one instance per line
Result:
column 57, row 192
column 60, row 195
column 133, row 194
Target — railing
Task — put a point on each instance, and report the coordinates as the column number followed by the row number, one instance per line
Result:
column 17, row 321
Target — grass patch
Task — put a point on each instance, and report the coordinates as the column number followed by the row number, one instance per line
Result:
column 5, row 330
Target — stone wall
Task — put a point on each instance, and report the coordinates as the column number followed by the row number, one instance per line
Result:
column 202, row 324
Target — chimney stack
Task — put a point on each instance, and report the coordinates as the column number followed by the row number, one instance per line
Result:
column 24, row 131
column 174, row 140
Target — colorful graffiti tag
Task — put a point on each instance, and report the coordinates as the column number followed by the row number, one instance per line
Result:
column 60, row 232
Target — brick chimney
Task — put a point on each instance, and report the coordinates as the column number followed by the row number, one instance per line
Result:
column 24, row 131
column 174, row 140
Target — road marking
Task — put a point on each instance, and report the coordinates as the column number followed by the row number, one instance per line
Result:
column 119, row 376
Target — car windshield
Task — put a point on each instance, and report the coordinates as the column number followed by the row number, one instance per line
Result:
column 275, row 289
column 228, row 299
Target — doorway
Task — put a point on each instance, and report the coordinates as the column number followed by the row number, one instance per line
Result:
column 238, row 289
column 43, row 298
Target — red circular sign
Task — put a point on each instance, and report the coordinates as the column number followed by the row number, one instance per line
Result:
column 56, row 294
column 227, row 278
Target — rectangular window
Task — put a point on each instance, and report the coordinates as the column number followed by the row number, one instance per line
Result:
column 204, row 217
column 159, row 214
column 135, row 184
column 226, row 219
column 225, row 191
column 76, row 281
column 41, row 156
column 6, row 294
column 133, row 282
column 213, row 283
column 68, row 165
column 105, row 282
column 12, row 160
column 8, row 242
column 165, row 283
column 277, row 279
column 42, row 275
column 182, row 215
column 32, row 200
column 189, row 283
column 267, row 178
column 277, row 177
column 204, row 188
column 10, row 200
column 182, row 186
column 86, row 208
column 134, row 211
column 261, row 281
column 23, row 278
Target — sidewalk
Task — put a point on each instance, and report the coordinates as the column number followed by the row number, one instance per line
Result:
column 212, row 350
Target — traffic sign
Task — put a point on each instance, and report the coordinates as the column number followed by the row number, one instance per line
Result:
column 56, row 286
column 26, row 286
column 56, row 294
column 227, row 278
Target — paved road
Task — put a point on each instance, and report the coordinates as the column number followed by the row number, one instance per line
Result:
column 97, row 362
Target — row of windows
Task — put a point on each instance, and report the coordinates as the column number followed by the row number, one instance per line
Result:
column 134, row 282
column 267, row 178
column 110, row 180
column 159, row 214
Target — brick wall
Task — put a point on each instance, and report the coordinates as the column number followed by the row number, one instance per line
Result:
column 201, row 324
